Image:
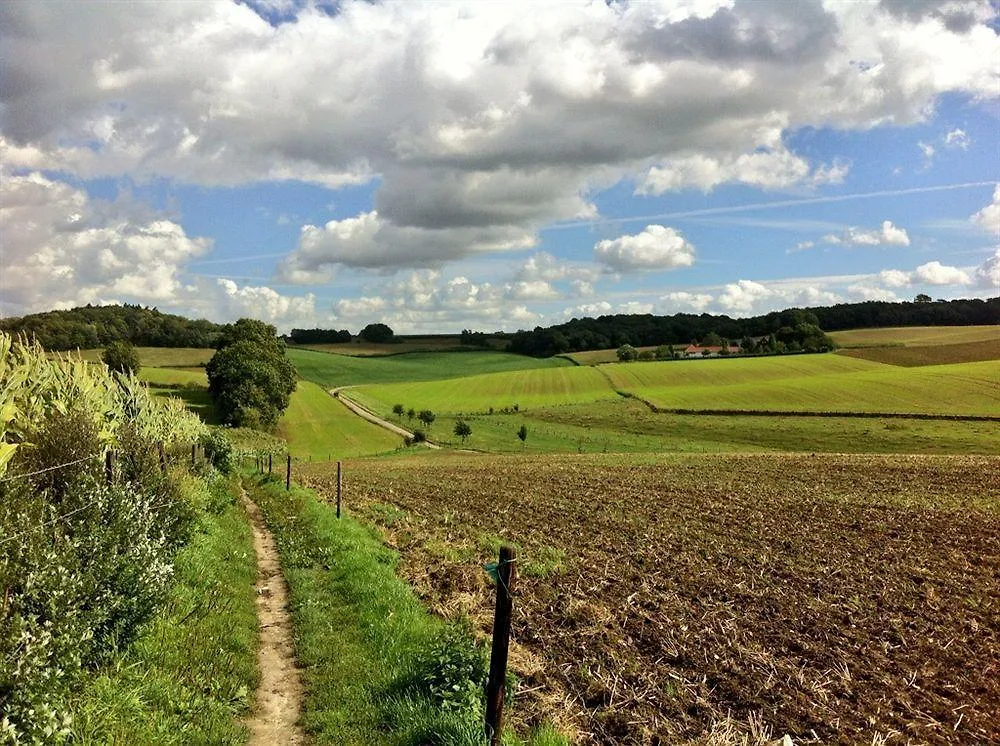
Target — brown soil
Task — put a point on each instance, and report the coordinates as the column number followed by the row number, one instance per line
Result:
column 839, row 599
column 279, row 696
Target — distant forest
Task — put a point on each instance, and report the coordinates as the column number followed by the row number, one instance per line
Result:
column 97, row 326
column 643, row 330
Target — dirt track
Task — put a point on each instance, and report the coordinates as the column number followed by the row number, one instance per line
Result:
column 372, row 417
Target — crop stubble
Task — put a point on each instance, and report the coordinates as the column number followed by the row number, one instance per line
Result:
column 833, row 597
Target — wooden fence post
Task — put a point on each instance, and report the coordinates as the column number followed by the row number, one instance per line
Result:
column 269, row 463
column 340, row 485
column 288, row 473
column 194, row 453
column 496, row 684
column 109, row 466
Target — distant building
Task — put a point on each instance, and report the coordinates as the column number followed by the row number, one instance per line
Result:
column 710, row 351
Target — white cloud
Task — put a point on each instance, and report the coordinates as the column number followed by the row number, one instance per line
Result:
column 685, row 301
column 804, row 245
column 927, row 149
column 532, row 290
column 741, row 297
column 863, row 291
column 894, row 278
column 987, row 274
column 655, row 248
column 935, row 273
column 481, row 121
column 887, row 235
column 989, row 217
column 957, row 138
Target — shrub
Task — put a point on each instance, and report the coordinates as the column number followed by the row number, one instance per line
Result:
column 218, row 449
column 454, row 670
column 121, row 357
column 419, row 436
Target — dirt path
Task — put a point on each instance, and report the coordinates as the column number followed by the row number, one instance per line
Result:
column 279, row 695
column 367, row 414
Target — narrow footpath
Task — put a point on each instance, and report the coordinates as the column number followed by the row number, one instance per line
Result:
column 279, row 695
column 373, row 418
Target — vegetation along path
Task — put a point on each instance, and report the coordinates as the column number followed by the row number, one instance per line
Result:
column 279, row 696
column 372, row 417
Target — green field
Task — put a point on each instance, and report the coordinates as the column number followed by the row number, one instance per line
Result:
column 330, row 371
column 961, row 389
column 938, row 354
column 318, row 427
column 919, row 336
column 524, row 389
column 158, row 357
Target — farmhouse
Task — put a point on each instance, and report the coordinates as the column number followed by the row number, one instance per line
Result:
column 710, row 351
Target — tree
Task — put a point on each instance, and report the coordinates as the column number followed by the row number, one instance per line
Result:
column 410, row 414
column 251, row 384
column 427, row 417
column 627, row 353
column 377, row 333
column 922, row 298
column 121, row 357
column 398, row 410
column 522, row 435
column 664, row 352
column 252, row 330
column 463, row 430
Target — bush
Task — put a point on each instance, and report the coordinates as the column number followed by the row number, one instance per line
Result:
column 121, row 357
column 377, row 333
column 218, row 449
column 419, row 436
column 454, row 670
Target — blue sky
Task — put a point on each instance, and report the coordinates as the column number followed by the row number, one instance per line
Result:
column 441, row 166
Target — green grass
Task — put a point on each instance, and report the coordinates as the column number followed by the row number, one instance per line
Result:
column 190, row 678
column 318, row 427
column 961, row 389
column 330, row 370
column 915, row 335
column 361, row 635
column 189, row 385
column 626, row 425
column 159, row 357
column 477, row 393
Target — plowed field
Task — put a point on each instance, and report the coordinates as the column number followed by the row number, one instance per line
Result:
column 838, row 599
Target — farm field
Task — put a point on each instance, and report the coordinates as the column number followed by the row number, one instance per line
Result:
column 835, row 598
column 597, row 357
column 361, row 348
column 942, row 354
column 158, row 357
column 316, row 426
column 919, row 336
column 567, row 384
column 626, row 425
column 959, row 389
column 188, row 384
column 331, row 370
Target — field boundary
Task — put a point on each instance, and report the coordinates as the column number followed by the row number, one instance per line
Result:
column 802, row 413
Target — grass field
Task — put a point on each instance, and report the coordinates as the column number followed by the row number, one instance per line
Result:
column 839, row 599
column 961, row 389
column 159, row 357
column 361, row 348
column 597, row 357
column 919, row 336
column 523, row 388
column 318, row 427
column 939, row 354
column 330, row 370
column 625, row 425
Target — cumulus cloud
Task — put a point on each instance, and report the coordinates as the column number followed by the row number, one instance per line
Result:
column 685, row 301
column 865, row 291
column 987, row 274
column 935, row 273
column 741, row 297
column 894, row 278
column 488, row 120
column 887, row 235
column 655, row 248
column 989, row 217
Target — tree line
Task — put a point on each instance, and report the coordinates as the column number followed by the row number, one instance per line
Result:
column 794, row 327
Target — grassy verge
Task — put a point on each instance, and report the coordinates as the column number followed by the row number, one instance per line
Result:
column 191, row 677
column 378, row 668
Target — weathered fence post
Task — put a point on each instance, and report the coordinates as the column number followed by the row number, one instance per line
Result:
column 501, row 644
column 340, row 484
column 288, row 473
column 194, row 453
column 269, row 463
column 109, row 466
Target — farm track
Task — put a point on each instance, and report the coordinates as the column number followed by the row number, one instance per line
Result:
column 280, row 693
column 836, row 598
column 367, row 414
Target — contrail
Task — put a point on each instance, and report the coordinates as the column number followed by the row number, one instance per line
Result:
column 771, row 205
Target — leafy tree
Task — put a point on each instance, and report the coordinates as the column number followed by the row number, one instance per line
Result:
column 627, row 353
column 427, row 417
column 251, row 384
column 120, row 356
column 922, row 298
column 712, row 340
column 398, row 409
column 522, row 435
column 252, row 330
column 463, row 430
column 664, row 352
column 647, row 355
column 377, row 333
column 410, row 414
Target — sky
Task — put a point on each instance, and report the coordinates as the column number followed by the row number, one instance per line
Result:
column 440, row 166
